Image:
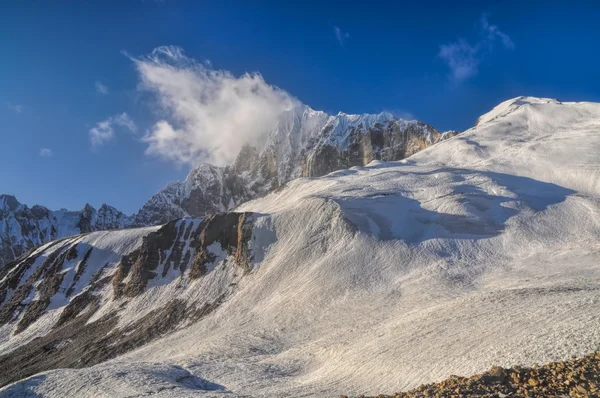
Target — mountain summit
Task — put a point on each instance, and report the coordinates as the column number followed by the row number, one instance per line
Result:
column 306, row 143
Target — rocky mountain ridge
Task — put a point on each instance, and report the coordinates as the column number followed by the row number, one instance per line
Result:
column 305, row 143
column 92, row 270
column 22, row 227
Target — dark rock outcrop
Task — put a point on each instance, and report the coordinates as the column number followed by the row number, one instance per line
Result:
column 184, row 249
column 231, row 231
column 572, row 378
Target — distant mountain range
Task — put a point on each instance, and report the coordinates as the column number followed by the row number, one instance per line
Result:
column 22, row 227
column 305, row 143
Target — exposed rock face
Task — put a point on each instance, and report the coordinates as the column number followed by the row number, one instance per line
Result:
column 22, row 228
column 306, row 143
column 231, row 231
column 91, row 279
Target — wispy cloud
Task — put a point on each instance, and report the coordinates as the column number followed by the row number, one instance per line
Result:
column 101, row 88
column 207, row 114
column 46, row 152
column 104, row 131
column 493, row 33
column 340, row 35
column 464, row 58
column 15, row 107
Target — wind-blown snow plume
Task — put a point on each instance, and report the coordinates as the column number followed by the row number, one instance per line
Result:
column 208, row 114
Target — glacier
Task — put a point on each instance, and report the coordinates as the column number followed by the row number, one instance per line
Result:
column 476, row 251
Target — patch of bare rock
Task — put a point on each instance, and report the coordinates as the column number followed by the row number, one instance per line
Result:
column 572, row 378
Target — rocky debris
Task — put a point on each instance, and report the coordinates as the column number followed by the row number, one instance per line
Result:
column 244, row 234
column 169, row 246
column 51, row 278
column 176, row 246
column 572, row 378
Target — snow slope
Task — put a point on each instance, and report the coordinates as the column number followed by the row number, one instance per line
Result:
column 480, row 250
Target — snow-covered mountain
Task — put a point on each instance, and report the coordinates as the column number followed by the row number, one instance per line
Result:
column 22, row 228
column 305, row 143
column 481, row 250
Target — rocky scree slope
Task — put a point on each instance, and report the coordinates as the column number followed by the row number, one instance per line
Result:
column 572, row 378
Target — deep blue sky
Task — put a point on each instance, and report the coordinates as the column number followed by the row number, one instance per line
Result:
column 53, row 55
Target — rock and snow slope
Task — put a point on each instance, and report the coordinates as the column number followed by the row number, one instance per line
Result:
column 480, row 250
column 22, row 228
column 304, row 143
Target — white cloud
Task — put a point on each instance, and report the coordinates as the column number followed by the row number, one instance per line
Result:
column 463, row 58
column 104, row 131
column 15, row 107
column 340, row 35
column 124, row 120
column 207, row 114
column 492, row 33
column 46, row 152
column 101, row 88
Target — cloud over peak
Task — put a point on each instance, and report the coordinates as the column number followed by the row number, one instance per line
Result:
column 464, row 58
column 207, row 115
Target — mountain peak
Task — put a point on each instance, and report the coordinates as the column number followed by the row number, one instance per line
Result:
column 512, row 105
column 9, row 201
column 305, row 143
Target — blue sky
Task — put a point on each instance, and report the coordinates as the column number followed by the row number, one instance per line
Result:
column 80, row 88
